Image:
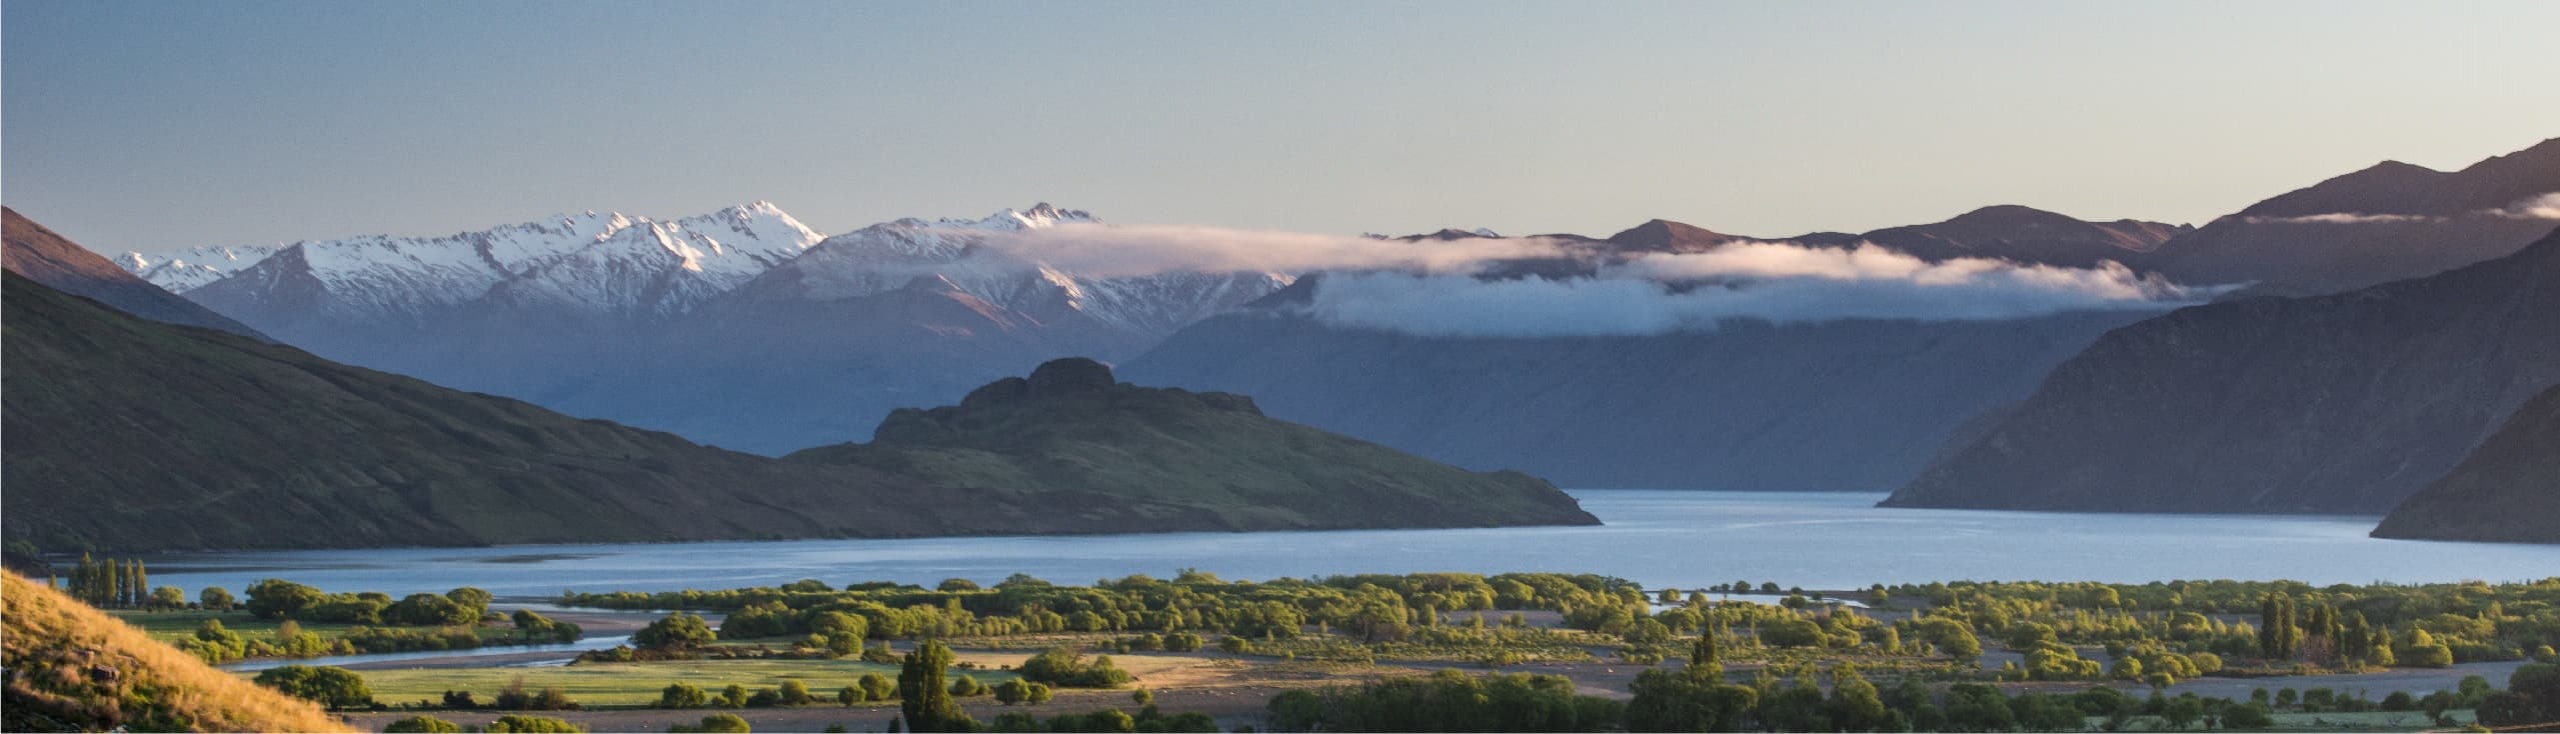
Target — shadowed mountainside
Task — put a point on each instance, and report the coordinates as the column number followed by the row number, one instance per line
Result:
column 2507, row 490
column 2347, row 403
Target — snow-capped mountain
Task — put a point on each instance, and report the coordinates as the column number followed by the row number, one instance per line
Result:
column 589, row 263
column 781, row 338
column 891, row 255
column 186, row 269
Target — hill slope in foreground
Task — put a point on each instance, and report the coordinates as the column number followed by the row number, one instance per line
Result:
column 73, row 668
column 2508, row 490
column 1210, row 457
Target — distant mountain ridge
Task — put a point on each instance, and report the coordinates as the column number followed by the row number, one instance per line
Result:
column 2348, row 403
column 2388, row 222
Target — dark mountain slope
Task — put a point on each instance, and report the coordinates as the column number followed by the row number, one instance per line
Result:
column 46, row 257
column 2347, row 403
column 1071, row 427
column 134, row 435
column 2507, row 490
column 129, row 434
column 1850, row 405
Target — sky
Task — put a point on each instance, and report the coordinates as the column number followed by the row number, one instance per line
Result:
column 159, row 125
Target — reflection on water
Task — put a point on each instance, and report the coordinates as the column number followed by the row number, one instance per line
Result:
column 1660, row 538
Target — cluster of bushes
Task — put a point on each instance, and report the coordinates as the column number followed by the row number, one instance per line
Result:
column 1152, row 642
column 871, row 687
column 2290, row 623
column 1698, row 699
column 215, row 644
column 1373, row 607
column 1448, row 701
column 335, row 688
column 1147, row 719
column 511, row 723
column 281, row 599
column 1067, row 668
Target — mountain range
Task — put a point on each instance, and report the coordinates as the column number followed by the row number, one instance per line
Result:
column 760, row 335
column 128, row 433
column 779, row 337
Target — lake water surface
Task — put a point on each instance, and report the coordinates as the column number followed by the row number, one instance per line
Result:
column 1660, row 538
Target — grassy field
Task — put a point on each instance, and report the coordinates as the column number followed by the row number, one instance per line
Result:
column 635, row 684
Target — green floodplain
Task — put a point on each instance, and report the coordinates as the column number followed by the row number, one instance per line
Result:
column 1523, row 651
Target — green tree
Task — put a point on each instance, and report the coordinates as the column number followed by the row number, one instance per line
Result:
column 215, row 598
column 795, row 693
column 676, row 631
column 1705, row 660
column 924, row 698
column 168, row 597
column 1854, row 704
column 281, row 599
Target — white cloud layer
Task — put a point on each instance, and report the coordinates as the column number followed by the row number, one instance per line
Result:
column 1112, row 251
column 1766, row 281
column 1428, row 286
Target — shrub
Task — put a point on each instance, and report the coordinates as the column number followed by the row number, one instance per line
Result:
column 796, row 693
column 1066, row 668
column 877, row 687
column 521, row 724
column 683, row 696
column 423, row 724
column 715, row 723
column 332, row 687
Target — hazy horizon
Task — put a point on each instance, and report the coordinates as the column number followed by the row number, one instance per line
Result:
column 155, row 126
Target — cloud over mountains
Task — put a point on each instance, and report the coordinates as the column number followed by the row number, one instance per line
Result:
column 1431, row 286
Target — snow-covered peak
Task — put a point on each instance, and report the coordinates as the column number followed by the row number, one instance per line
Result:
column 1039, row 216
column 186, row 269
column 591, row 262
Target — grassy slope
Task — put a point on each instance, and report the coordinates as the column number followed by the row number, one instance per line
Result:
column 2507, row 490
column 1210, row 454
column 74, row 668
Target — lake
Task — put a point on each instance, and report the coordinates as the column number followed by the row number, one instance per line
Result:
column 1682, row 539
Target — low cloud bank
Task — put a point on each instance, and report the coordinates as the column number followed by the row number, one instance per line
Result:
column 1430, row 287
column 1764, row 281
column 1113, row 251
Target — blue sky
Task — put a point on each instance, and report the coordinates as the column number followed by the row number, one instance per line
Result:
column 153, row 125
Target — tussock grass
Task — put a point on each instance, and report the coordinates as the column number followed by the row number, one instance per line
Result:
column 73, row 668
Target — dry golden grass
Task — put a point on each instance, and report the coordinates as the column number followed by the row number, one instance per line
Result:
column 73, row 668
